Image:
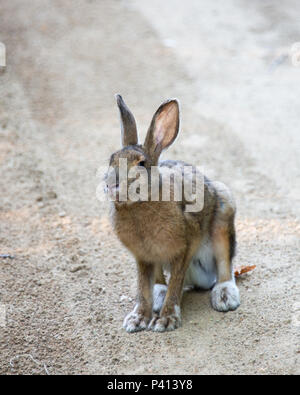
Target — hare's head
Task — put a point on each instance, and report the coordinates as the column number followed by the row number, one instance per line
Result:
column 130, row 167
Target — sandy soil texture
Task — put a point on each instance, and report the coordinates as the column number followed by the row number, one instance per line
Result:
column 71, row 282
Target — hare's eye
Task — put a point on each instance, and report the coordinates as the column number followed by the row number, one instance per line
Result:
column 141, row 163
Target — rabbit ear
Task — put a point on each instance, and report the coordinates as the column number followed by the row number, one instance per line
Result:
column 128, row 125
column 163, row 129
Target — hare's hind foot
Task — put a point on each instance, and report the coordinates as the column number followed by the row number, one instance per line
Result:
column 225, row 296
column 159, row 295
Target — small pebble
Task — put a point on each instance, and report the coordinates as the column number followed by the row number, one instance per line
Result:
column 123, row 298
column 6, row 256
column 52, row 195
column 77, row 268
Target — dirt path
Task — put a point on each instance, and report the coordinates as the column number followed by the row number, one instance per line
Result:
column 58, row 123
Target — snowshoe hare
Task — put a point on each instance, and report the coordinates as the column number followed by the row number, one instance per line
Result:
column 196, row 248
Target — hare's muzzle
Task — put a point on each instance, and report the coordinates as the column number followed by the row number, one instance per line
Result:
column 112, row 188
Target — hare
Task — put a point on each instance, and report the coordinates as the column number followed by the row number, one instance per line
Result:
column 196, row 248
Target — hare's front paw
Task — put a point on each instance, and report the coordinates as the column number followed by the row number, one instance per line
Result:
column 136, row 321
column 225, row 296
column 166, row 322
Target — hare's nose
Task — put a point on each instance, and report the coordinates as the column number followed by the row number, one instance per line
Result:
column 113, row 186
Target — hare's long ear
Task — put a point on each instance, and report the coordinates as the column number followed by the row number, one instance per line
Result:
column 163, row 129
column 128, row 125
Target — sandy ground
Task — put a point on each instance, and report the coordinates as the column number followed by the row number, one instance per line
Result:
column 71, row 283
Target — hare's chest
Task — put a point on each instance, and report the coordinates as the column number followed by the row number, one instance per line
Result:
column 150, row 239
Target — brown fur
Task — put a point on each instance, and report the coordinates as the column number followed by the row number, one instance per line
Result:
column 162, row 233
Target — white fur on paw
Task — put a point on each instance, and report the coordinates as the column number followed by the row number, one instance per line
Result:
column 225, row 296
column 166, row 323
column 135, row 321
column 159, row 294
